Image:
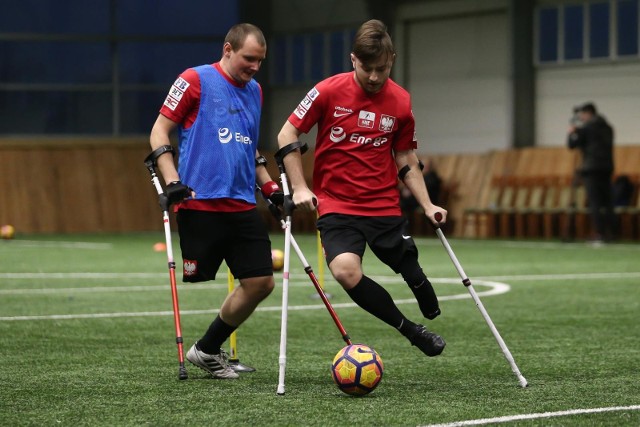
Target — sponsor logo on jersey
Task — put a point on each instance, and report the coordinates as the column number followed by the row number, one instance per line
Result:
column 337, row 134
column 225, row 135
column 175, row 93
column 313, row 94
column 342, row 111
column 366, row 119
column 386, row 123
column 305, row 104
column 181, row 84
column 170, row 103
column 300, row 111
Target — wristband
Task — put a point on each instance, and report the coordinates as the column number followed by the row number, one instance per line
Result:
column 261, row 161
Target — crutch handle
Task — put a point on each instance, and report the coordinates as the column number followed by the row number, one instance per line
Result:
column 438, row 217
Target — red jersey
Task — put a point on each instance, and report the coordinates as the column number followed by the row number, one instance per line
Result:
column 354, row 168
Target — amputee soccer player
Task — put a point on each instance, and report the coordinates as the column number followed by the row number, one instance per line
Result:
column 216, row 109
column 365, row 141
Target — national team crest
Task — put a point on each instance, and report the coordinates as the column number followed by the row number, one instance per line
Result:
column 190, row 268
column 387, row 123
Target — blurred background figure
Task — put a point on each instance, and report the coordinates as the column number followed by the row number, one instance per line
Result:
column 593, row 136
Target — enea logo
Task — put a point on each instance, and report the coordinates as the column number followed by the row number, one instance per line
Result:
column 337, row 134
column 224, row 135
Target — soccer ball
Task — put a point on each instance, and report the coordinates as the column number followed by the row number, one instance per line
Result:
column 277, row 257
column 357, row 369
column 7, row 232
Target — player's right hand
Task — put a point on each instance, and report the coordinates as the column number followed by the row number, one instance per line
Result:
column 305, row 200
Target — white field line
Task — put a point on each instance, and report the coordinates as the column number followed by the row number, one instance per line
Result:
column 56, row 244
column 495, row 289
column 535, row 416
column 193, row 286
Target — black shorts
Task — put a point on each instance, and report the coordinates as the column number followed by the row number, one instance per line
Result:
column 239, row 238
column 386, row 236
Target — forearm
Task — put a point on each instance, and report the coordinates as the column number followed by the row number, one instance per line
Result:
column 292, row 161
column 159, row 137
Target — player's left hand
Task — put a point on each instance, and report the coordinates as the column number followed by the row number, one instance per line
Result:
column 431, row 214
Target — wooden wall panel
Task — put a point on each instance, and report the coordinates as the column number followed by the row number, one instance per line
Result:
column 101, row 185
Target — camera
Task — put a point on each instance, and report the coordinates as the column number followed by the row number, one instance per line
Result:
column 575, row 118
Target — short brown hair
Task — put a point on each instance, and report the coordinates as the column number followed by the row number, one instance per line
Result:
column 372, row 41
column 239, row 32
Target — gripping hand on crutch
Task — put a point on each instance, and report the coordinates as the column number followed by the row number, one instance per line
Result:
column 467, row 283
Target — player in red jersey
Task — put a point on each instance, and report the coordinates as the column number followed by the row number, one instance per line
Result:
column 365, row 141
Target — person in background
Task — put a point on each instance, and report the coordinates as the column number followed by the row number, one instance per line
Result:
column 590, row 133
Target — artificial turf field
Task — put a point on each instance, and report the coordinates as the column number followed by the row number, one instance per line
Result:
column 87, row 338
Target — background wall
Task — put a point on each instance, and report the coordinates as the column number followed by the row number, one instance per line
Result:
column 487, row 78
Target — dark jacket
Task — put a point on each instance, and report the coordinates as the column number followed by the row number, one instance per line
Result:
column 595, row 141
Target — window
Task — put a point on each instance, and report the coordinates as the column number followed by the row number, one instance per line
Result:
column 587, row 31
column 101, row 67
column 305, row 59
column 627, row 31
column 573, row 32
column 599, row 30
column 548, row 35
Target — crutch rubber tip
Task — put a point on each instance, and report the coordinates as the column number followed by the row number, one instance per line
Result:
column 182, row 375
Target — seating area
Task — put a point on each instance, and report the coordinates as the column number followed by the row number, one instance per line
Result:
column 512, row 193
column 527, row 193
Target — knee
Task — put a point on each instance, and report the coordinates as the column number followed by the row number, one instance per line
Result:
column 258, row 287
column 346, row 269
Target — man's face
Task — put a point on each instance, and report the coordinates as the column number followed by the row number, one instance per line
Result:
column 584, row 116
column 245, row 62
column 371, row 76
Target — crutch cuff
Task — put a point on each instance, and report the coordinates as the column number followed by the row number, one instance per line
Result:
column 287, row 149
column 152, row 158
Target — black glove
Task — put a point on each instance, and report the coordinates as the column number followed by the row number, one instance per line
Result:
column 177, row 192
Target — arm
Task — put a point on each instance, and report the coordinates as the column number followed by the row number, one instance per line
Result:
column 302, row 196
column 160, row 132
column 576, row 137
column 414, row 181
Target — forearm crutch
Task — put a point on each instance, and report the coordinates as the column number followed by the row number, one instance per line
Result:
column 307, row 268
column 288, row 242
column 150, row 163
column 467, row 283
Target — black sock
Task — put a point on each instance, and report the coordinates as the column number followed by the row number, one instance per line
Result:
column 427, row 299
column 217, row 333
column 376, row 300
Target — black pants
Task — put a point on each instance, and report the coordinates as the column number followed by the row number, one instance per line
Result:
column 598, row 186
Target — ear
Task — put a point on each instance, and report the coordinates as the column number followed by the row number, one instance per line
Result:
column 353, row 60
column 227, row 49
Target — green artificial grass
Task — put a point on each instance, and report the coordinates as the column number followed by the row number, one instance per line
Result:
column 87, row 338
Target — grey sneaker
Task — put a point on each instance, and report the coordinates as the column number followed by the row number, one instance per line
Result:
column 216, row 364
column 429, row 343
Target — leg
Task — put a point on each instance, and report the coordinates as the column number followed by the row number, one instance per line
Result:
column 420, row 286
column 344, row 249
